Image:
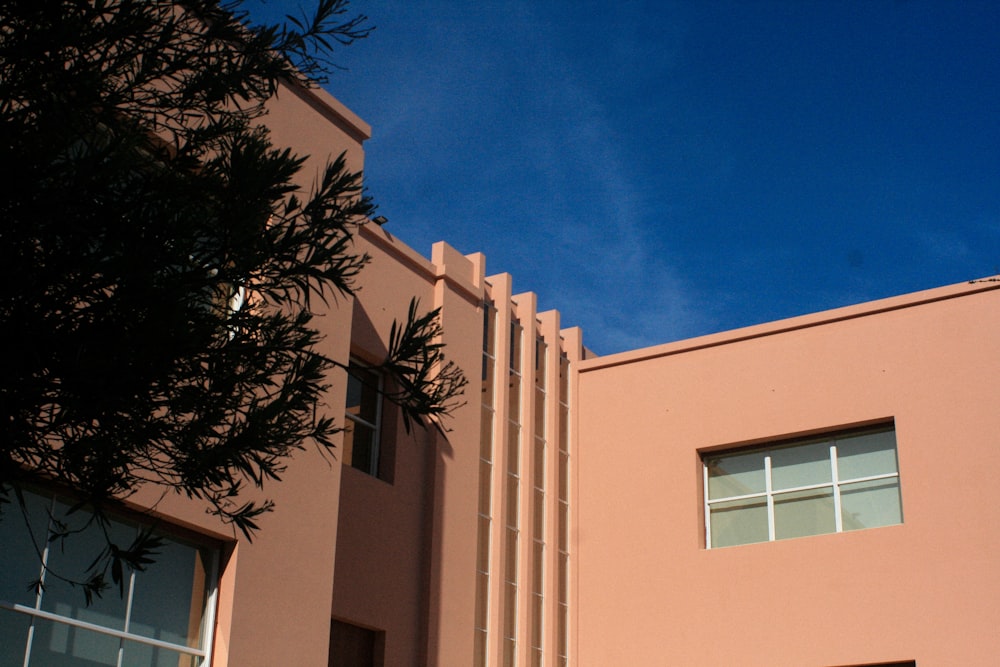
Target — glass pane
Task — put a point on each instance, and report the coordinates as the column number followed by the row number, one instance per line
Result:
column 354, row 390
column 513, row 448
column 483, row 545
column 19, row 560
column 538, row 516
column 512, row 504
column 70, row 557
column 801, row 465
column 58, row 645
column 514, row 398
column 563, row 527
column 802, row 513
column 170, row 596
column 13, row 638
column 479, row 651
column 515, row 347
column 562, row 581
column 871, row 504
column 359, row 447
column 510, row 609
column 510, row 555
column 486, row 435
column 540, row 352
column 563, row 428
column 485, row 486
column 347, row 453
column 537, row 616
column 362, row 393
column 563, row 377
column 539, row 463
column 482, row 599
column 365, row 456
column 488, row 381
column 539, row 413
column 143, row 655
column 562, row 631
column 866, row 454
column 538, row 566
column 509, row 653
column 563, row 476
column 739, row 522
column 735, row 475
column 489, row 328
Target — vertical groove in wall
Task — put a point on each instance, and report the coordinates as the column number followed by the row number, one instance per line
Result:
column 562, row 531
column 485, row 509
column 523, row 596
column 512, row 492
column 536, row 611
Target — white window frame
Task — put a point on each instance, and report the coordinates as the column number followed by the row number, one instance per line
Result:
column 769, row 493
column 373, row 468
column 203, row 654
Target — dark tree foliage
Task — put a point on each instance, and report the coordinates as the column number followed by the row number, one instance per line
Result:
column 159, row 263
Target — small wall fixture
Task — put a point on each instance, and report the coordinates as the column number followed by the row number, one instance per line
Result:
column 380, row 220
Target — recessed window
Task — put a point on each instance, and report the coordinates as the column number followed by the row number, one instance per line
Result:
column 829, row 484
column 363, row 418
column 162, row 617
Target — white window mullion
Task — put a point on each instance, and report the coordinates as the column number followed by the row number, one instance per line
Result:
column 128, row 602
column 839, row 519
column 708, row 509
column 207, row 630
column 40, row 590
column 768, row 488
column 762, row 494
column 128, row 616
column 104, row 630
column 871, row 478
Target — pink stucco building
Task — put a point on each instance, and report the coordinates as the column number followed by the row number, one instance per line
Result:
column 883, row 412
column 809, row 493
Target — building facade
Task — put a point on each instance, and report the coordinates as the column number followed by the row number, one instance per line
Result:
column 577, row 510
column 803, row 492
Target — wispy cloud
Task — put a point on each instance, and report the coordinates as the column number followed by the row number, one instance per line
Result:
column 600, row 271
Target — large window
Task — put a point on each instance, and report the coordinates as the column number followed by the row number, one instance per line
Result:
column 162, row 619
column 364, row 416
column 830, row 484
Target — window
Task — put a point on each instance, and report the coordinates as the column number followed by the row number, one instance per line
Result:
column 164, row 617
column 364, row 415
column 829, row 484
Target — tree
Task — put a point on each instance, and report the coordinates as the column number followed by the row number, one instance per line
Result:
column 160, row 265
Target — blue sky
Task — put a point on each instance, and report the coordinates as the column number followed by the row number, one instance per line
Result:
column 661, row 170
